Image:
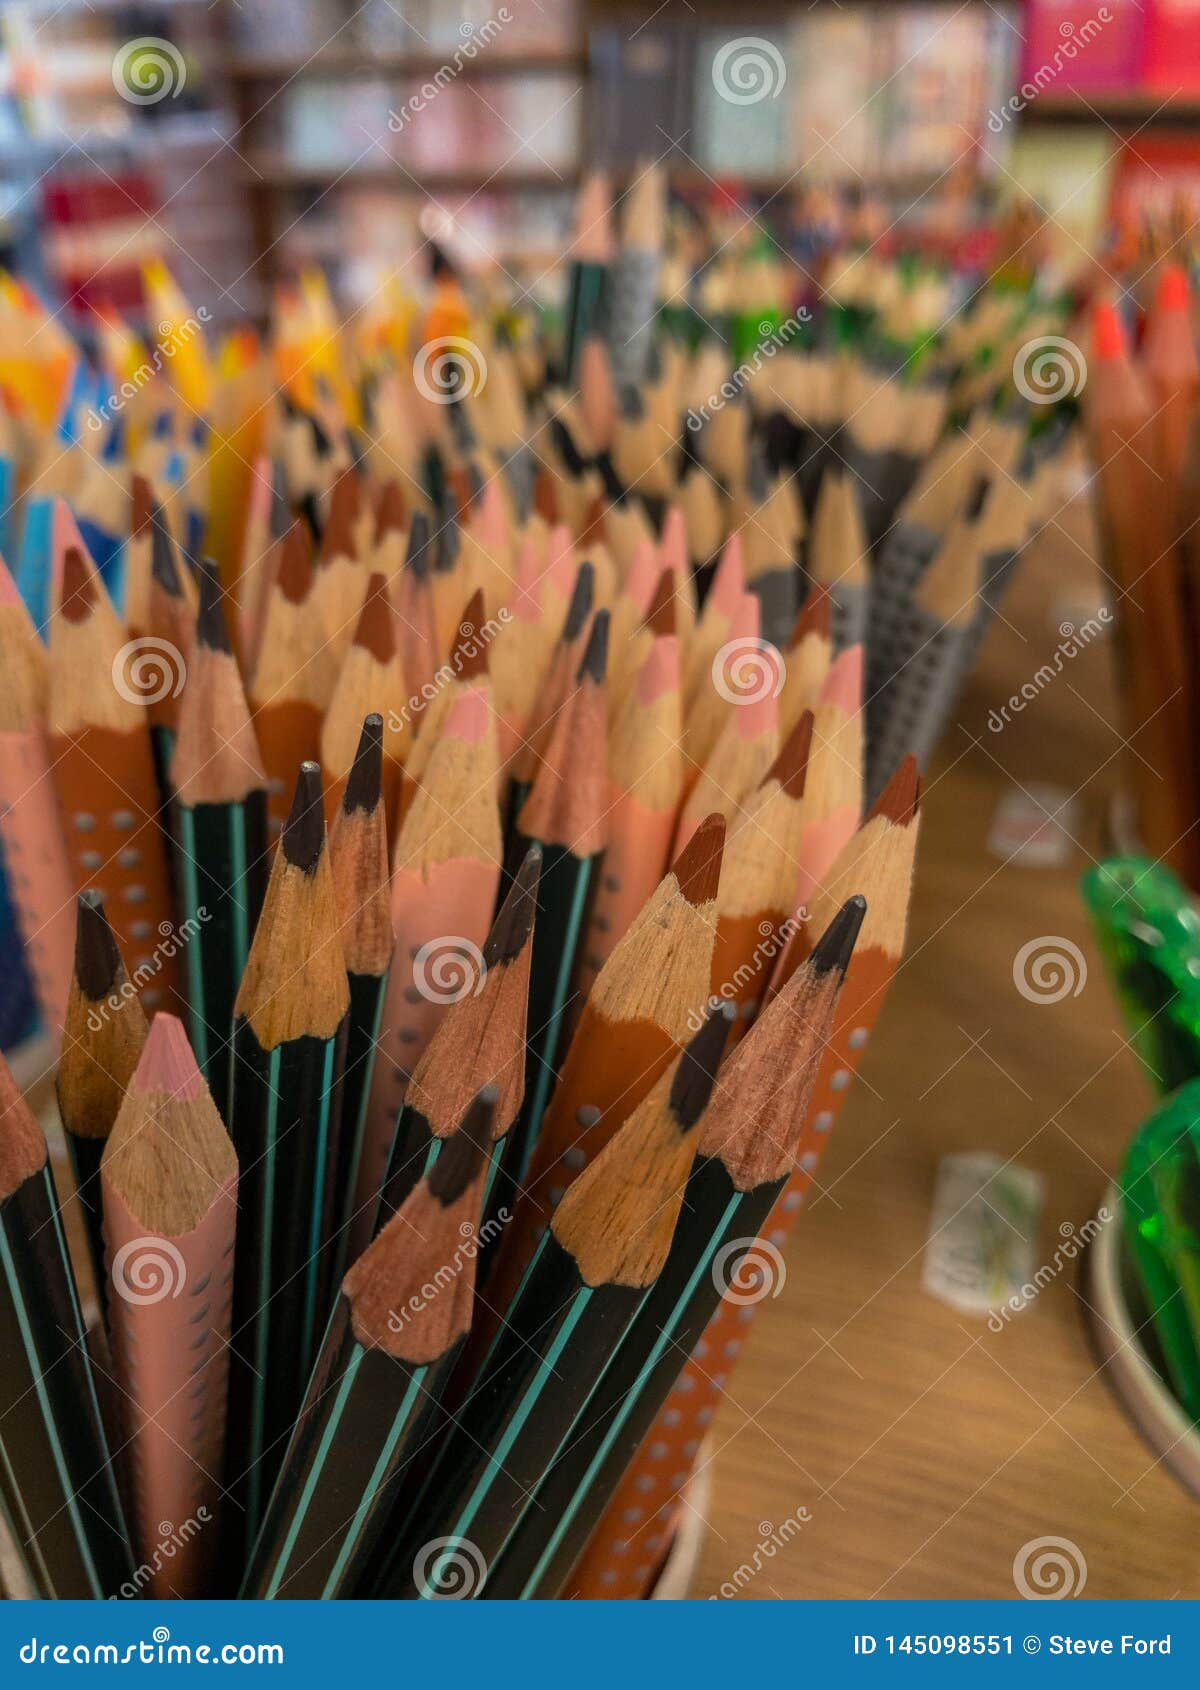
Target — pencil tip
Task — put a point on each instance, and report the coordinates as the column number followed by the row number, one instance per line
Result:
column 595, row 656
column 364, row 783
column 899, row 799
column 304, row 830
column 168, row 1063
column 78, row 586
column 164, row 566
column 580, row 607
column 816, row 616
column 97, row 959
column 295, row 565
column 698, row 866
column 697, row 1069
column 660, row 618
column 514, row 922
column 462, row 1155
column 210, row 618
column 418, row 545
column 790, row 768
column 832, row 950
column 469, row 657
column 376, row 630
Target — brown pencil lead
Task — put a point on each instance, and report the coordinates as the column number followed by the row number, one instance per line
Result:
column 338, row 538
column 304, row 831
column 78, row 586
column 389, row 518
column 899, row 799
column 513, row 924
column 790, row 768
column 296, row 566
column 698, row 866
column 815, row 617
column 660, row 618
column 143, row 507
column 376, row 630
column 462, row 1154
column 468, row 658
column 696, row 1074
column 97, row 959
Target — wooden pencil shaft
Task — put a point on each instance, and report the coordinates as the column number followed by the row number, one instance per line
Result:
column 365, row 1415
column 284, row 1112
column 555, row 1341
column 221, row 882
column 557, row 1521
column 56, row 1472
column 362, row 1033
column 562, row 904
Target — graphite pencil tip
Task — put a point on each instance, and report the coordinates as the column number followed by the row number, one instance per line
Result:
column 580, row 607
column 304, row 830
column 164, row 566
column 694, row 1077
column 595, row 657
column 97, row 959
column 210, row 618
column 514, row 923
column 364, row 783
column 832, row 950
column 462, row 1154
column 418, row 545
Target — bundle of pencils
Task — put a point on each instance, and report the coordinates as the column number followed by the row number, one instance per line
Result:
column 474, row 1101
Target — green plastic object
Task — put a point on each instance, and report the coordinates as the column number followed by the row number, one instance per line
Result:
column 1148, row 932
column 1160, row 1207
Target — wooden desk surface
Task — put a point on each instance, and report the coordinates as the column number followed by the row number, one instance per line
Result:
column 927, row 1448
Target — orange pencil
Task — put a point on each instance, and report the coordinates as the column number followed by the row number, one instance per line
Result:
column 99, row 744
column 31, row 826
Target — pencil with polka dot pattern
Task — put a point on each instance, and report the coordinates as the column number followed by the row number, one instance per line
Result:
column 627, row 1544
column 99, row 742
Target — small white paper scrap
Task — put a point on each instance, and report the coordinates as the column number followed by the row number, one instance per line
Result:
column 979, row 1252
